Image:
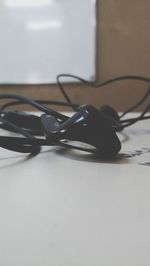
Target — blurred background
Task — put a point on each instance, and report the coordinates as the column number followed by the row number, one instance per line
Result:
column 122, row 48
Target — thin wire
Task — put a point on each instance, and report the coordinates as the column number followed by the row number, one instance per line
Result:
column 15, row 146
column 12, row 143
column 27, row 141
column 57, row 103
column 69, row 146
column 120, row 78
column 131, row 122
column 30, row 143
column 34, row 104
column 116, row 79
column 16, row 128
column 91, row 84
column 133, row 119
column 138, row 103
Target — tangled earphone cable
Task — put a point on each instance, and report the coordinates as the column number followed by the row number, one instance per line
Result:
column 88, row 125
column 95, row 85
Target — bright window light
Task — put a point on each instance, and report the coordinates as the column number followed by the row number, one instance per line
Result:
column 50, row 24
column 27, row 3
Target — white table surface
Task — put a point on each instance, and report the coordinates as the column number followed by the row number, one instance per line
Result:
column 65, row 208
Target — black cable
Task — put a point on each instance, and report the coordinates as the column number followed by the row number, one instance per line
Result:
column 94, row 85
column 16, row 128
column 30, row 131
column 15, row 146
column 131, row 121
column 38, row 103
column 27, row 141
column 23, row 144
column 138, row 103
column 110, row 81
column 63, row 91
column 57, row 103
column 69, row 146
column 31, row 144
column 104, row 83
column 134, row 119
column 34, row 104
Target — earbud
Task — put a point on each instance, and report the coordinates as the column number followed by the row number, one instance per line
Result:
column 88, row 125
column 109, row 111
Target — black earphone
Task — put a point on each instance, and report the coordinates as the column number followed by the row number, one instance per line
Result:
column 88, row 125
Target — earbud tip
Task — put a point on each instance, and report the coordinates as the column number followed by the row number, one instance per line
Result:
column 49, row 123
